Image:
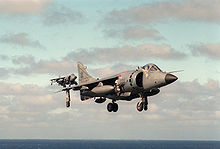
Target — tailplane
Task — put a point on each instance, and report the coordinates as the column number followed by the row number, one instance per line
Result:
column 83, row 75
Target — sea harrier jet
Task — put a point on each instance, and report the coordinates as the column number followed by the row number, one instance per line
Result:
column 139, row 83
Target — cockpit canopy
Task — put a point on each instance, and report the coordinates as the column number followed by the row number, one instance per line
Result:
column 151, row 67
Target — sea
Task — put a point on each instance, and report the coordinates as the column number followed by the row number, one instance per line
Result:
column 107, row 144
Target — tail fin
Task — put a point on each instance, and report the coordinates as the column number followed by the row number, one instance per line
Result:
column 83, row 75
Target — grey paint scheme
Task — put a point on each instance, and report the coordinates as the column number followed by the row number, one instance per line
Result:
column 133, row 90
column 142, row 82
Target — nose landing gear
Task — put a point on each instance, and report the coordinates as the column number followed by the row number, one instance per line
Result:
column 140, row 106
column 112, row 107
column 143, row 104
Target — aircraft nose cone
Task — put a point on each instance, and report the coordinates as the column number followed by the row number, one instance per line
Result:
column 169, row 78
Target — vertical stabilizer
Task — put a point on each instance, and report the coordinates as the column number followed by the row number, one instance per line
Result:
column 83, row 75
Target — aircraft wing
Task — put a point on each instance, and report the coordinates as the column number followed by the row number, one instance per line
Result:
column 105, row 81
column 55, row 79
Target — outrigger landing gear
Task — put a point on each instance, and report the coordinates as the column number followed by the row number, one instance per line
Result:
column 67, row 98
column 143, row 104
column 112, row 107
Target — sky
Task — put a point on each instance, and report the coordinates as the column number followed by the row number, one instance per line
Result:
column 43, row 39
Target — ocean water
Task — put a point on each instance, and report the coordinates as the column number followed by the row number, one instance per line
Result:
column 106, row 144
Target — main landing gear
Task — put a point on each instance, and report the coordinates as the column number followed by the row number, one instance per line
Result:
column 143, row 104
column 112, row 107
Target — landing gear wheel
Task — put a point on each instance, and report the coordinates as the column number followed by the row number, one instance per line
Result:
column 115, row 107
column 145, row 107
column 110, row 107
column 68, row 104
column 140, row 106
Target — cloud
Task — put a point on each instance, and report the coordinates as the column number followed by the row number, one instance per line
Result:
column 187, row 10
column 192, row 96
column 111, row 69
column 4, row 73
column 29, row 65
column 133, row 33
column 185, row 105
column 30, row 97
column 61, row 15
column 23, row 60
column 116, row 57
column 210, row 50
column 17, row 89
column 20, row 39
column 125, row 53
column 49, row 12
column 22, row 6
column 25, row 104
column 49, row 67
column 4, row 57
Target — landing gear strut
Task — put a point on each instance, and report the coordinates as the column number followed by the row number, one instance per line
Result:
column 112, row 107
column 143, row 104
column 67, row 98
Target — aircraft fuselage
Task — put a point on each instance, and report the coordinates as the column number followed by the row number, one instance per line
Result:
column 133, row 84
